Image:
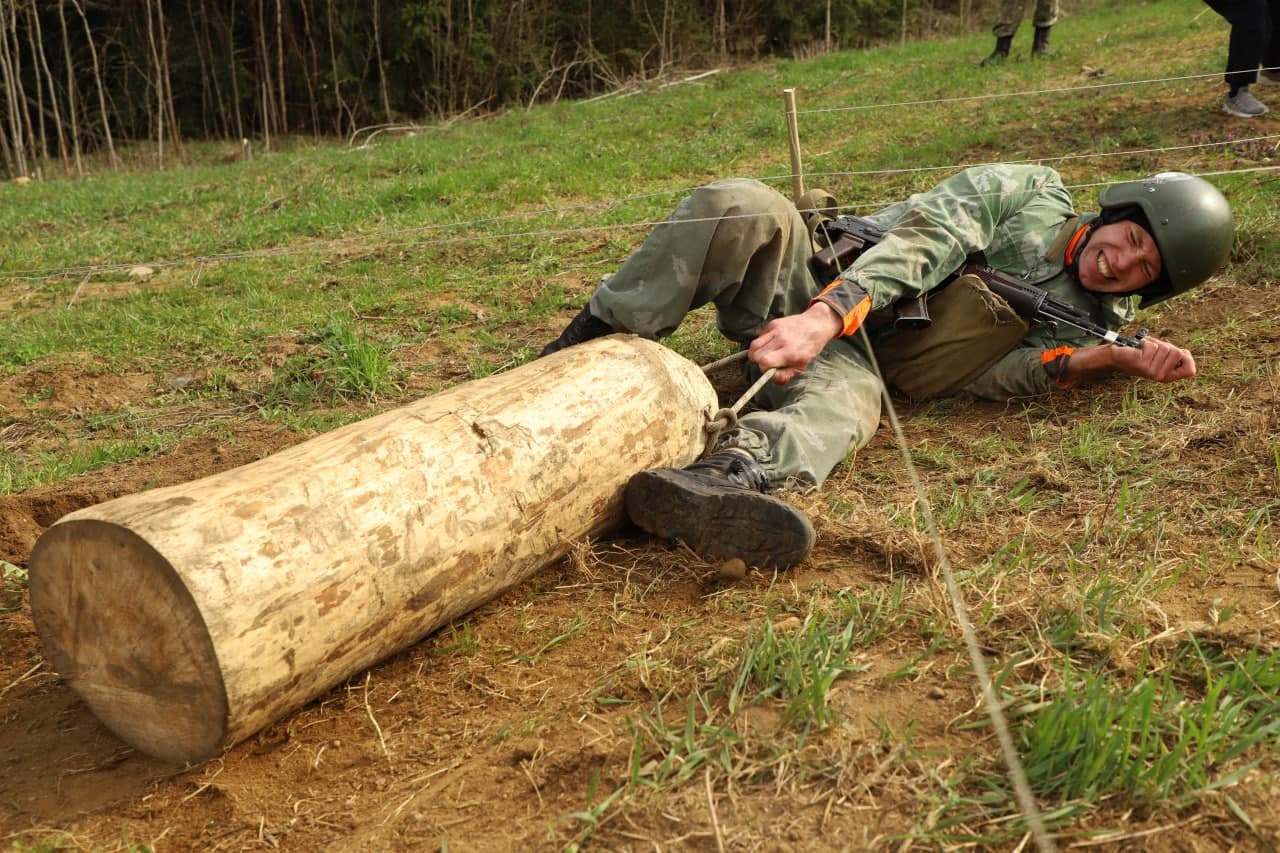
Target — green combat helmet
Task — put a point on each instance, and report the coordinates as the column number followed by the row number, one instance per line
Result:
column 1190, row 221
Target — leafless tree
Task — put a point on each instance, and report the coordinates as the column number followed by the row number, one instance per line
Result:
column 36, row 37
column 339, row 126
column 15, row 94
column 73, row 108
column 158, row 83
column 382, row 66
column 162, row 27
column 97, row 79
column 284, row 100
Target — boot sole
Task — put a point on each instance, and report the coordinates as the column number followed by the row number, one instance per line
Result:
column 719, row 522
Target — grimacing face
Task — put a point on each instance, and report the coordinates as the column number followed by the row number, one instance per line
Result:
column 1120, row 257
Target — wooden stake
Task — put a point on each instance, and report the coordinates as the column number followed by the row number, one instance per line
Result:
column 793, row 135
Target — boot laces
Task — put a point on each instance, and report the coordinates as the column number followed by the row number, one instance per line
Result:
column 737, row 468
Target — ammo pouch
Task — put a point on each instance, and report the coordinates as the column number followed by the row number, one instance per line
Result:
column 972, row 329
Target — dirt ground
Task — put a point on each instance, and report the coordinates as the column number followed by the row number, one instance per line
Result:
column 493, row 734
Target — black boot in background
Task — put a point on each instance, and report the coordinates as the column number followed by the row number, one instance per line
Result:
column 718, row 507
column 1001, row 53
column 1040, row 46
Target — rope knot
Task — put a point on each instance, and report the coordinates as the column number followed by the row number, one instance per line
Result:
column 725, row 419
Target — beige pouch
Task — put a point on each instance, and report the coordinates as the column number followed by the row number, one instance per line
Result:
column 972, row 329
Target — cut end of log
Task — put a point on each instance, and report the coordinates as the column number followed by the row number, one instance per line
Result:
column 121, row 628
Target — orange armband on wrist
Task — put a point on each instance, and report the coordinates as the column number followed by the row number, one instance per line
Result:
column 851, row 303
column 1055, row 364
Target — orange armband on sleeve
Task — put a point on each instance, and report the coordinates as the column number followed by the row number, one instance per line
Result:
column 1055, row 364
column 851, row 303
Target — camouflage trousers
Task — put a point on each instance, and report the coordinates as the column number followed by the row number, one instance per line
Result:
column 742, row 247
column 1011, row 12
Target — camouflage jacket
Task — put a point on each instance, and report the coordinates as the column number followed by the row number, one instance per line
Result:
column 1013, row 214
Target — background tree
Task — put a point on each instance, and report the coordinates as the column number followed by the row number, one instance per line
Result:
column 169, row 70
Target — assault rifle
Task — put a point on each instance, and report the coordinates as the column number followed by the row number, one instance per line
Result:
column 846, row 237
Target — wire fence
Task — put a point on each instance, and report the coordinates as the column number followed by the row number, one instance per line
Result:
column 493, row 227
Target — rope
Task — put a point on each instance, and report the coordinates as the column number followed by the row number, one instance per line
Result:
column 727, row 419
column 1021, row 787
column 1023, row 94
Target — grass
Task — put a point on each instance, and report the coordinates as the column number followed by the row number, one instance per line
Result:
column 1162, row 742
column 745, row 718
column 19, row 473
column 343, row 366
column 1116, row 546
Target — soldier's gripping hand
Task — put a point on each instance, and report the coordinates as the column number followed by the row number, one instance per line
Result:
column 1157, row 360
column 790, row 343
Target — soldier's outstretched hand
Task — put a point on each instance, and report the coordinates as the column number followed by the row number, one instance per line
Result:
column 1158, row 360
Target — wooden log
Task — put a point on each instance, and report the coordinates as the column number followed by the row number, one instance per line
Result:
column 190, row 617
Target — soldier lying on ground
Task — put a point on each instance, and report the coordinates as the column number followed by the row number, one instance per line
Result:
column 745, row 248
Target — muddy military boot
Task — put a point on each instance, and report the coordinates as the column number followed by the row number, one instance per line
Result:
column 1001, row 53
column 1040, row 44
column 718, row 507
column 584, row 327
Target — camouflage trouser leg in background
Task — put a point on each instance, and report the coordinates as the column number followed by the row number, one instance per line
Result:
column 741, row 246
column 1011, row 12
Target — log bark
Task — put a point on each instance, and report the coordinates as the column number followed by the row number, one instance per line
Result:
column 190, row 617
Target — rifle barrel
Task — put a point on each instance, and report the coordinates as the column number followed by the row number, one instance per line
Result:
column 1057, row 312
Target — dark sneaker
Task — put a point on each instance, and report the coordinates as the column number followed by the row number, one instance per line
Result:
column 718, row 507
column 584, row 327
column 1243, row 104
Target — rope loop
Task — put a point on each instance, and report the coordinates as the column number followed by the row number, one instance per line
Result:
column 720, row 422
column 727, row 419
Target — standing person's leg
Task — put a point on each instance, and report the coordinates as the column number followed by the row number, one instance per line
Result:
column 1046, row 16
column 1270, row 75
column 1006, row 25
column 1244, row 53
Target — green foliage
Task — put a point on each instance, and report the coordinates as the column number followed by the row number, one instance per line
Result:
column 800, row 667
column 354, row 366
column 1153, row 742
column 342, row 365
column 19, row 472
column 790, row 669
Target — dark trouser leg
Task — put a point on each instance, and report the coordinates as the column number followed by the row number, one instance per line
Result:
column 1271, row 55
column 1249, row 27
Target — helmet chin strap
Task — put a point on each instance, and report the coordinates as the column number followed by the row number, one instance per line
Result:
column 1071, row 257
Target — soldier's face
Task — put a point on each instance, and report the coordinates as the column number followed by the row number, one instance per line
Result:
column 1120, row 257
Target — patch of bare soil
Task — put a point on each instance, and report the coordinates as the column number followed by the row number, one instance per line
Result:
column 508, row 730
column 75, row 388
